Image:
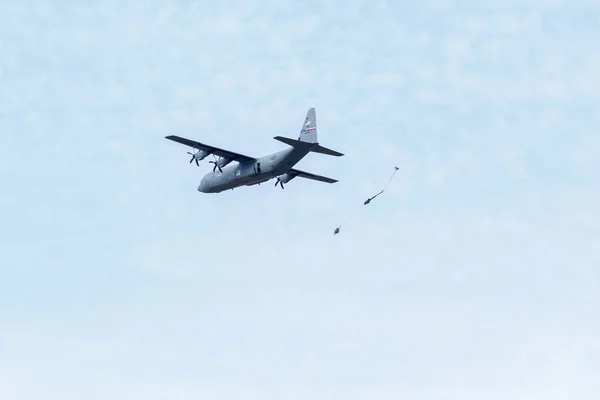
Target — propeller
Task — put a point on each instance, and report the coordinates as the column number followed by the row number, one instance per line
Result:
column 193, row 158
column 285, row 178
column 216, row 164
column 279, row 182
column 199, row 155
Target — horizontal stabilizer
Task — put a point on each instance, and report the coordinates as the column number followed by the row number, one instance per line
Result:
column 294, row 142
column 324, row 150
column 307, row 175
column 313, row 147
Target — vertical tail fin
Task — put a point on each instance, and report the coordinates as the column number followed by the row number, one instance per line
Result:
column 308, row 133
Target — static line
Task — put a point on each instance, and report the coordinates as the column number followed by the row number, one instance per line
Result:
column 337, row 230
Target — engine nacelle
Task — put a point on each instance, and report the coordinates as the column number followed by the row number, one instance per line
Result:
column 201, row 155
column 285, row 178
column 222, row 161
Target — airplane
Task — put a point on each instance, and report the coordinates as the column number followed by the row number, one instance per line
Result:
column 249, row 171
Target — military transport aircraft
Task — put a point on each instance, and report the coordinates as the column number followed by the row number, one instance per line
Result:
column 250, row 170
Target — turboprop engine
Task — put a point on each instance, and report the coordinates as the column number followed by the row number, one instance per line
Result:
column 285, row 178
column 199, row 155
column 221, row 162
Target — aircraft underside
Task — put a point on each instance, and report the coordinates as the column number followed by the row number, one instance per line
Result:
column 218, row 182
column 235, row 183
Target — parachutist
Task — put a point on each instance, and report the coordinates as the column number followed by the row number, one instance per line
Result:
column 371, row 198
column 386, row 186
column 337, row 230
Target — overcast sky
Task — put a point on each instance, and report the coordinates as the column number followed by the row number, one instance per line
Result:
column 476, row 275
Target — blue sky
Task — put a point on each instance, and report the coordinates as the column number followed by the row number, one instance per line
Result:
column 475, row 275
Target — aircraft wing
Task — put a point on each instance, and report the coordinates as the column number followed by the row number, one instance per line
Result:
column 302, row 174
column 211, row 149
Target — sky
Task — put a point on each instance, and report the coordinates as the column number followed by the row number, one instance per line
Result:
column 475, row 275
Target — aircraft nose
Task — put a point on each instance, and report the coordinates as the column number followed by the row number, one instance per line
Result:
column 202, row 186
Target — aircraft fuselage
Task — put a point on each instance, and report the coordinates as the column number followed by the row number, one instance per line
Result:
column 247, row 174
